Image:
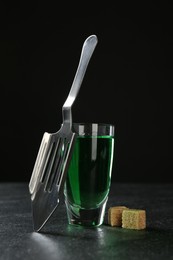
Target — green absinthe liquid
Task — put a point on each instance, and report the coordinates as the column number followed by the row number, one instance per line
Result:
column 89, row 175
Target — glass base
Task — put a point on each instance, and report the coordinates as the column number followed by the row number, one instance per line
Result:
column 86, row 217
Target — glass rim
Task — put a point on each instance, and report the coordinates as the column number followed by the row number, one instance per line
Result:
column 93, row 123
column 93, row 129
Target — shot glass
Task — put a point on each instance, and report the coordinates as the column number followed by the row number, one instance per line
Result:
column 89, row 175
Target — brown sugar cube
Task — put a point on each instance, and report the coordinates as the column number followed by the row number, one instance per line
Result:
column 115, row 215
column 134, row 219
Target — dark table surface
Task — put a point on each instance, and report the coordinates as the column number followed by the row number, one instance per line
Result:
column 59, row 240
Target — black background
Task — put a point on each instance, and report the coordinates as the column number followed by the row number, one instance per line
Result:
column 128, row 81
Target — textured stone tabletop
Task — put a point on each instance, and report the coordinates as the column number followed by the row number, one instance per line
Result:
column 59, row 240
